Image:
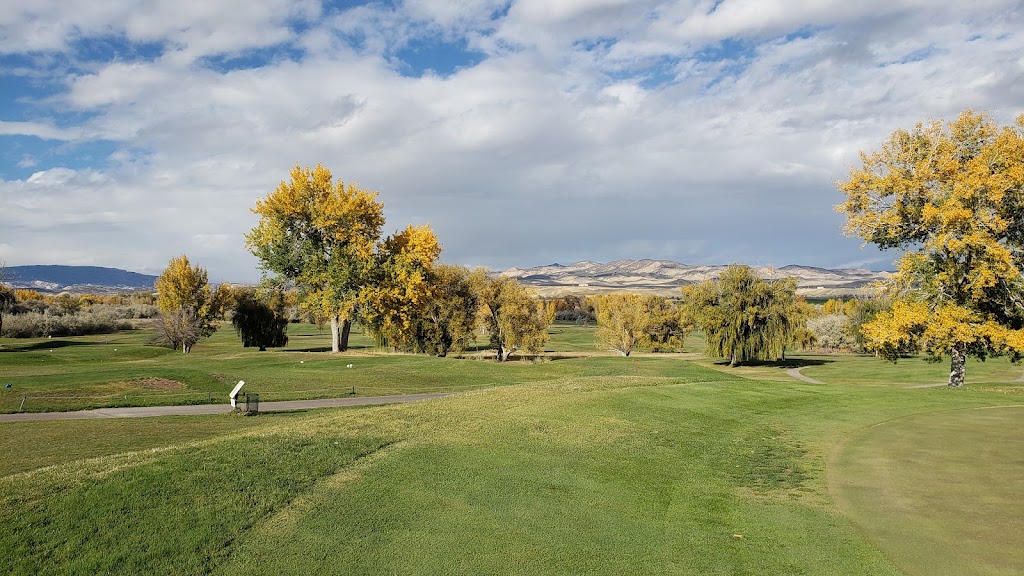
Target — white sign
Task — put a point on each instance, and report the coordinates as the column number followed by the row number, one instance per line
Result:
column 234, row 393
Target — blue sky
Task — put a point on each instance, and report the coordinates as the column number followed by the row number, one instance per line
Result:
column 524, row 132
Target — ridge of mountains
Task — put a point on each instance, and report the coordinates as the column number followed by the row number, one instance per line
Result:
column 662, row 276
column 77, row 279
column 667, row 276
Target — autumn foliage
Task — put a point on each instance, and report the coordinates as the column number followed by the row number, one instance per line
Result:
column 187, row 309
column 950, row 196
column 628, row 321
column 325, row 236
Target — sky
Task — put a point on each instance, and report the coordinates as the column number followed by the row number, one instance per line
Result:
column 524, row 133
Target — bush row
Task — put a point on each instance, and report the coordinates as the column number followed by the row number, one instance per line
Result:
column 121, row 311
column 36, row 324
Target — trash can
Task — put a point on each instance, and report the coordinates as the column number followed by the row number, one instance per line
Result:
column 252, row 403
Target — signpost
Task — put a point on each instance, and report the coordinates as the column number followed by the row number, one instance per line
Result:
column 234, row 393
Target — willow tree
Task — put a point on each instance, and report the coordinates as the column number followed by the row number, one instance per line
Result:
column 321, row 235
column 950, row 196
column 260, row 320
column 742, row 316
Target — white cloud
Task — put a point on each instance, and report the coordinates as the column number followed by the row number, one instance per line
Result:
column 591, row 130
column 44, row 130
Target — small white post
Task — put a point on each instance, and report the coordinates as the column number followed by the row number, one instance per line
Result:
column 234, row 393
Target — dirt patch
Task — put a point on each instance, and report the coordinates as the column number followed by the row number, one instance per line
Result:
column 157, row 384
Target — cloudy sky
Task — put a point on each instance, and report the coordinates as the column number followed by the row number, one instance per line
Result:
column 524, row 132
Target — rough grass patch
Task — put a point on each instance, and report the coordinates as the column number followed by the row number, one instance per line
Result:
column 766, row 459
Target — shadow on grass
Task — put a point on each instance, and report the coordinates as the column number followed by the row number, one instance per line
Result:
column 787, row 363
column 313, row 349
column 325, row 349
column 48, row 345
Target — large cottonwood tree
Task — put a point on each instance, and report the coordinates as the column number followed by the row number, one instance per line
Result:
column 320, row 234
column 951, row 197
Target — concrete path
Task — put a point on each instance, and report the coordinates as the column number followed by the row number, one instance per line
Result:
column 795, row 373
column 194, row 409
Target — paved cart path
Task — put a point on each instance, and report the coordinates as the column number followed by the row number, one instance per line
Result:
column 193, row 409
column 795, row 373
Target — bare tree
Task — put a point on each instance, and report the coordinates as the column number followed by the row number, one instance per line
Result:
column 178, row 329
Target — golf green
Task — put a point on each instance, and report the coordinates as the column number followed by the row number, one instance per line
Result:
column 940, row 492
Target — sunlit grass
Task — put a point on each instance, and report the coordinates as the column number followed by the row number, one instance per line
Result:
column 598, row 465
column 940, row 492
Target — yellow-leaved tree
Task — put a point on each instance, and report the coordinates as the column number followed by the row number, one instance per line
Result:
column 399, row 287
column 514, row 319
column 321, row 235
column 626, row 321
column 186, row 307
column 951, row 197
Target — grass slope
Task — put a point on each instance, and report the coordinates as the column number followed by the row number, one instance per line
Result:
column 610, row 466
column 588, row 464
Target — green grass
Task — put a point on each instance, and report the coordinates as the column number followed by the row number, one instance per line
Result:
column 866, row 370
column 939, row 491
column 591, row 464
column 122, row 370
column 614, row 465
column 33, row 445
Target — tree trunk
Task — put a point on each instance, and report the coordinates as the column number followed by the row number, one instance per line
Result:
column 732, row 360
column 346, row 329
column 957, row 370
column 335, row 335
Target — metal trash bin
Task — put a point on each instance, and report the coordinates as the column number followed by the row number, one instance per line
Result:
column 252, row 403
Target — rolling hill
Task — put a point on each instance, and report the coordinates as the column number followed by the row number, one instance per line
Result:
column 666, row 276
column 77, row 279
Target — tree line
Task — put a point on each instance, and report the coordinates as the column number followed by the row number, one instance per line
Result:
column 948, row 196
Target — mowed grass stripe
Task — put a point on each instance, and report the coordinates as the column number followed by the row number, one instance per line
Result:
column 179, row 512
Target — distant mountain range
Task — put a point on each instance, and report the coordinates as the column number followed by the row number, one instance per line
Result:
column 663, row 276
column 77, row 279
column 667, row 276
